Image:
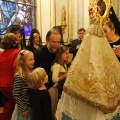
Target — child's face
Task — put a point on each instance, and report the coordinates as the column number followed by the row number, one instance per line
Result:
column 46, row 79
column 65, row 55
column 30, row 61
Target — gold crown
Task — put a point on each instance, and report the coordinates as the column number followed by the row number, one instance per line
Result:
column 99, row 11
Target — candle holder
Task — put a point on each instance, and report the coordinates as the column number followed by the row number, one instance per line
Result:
column 63, row 20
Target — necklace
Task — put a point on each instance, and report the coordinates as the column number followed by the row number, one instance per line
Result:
column 115, row 40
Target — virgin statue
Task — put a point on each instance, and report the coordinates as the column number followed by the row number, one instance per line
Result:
column 92, row 87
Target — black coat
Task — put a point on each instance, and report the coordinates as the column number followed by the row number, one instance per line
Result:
column 44, row 58
column 74, row 44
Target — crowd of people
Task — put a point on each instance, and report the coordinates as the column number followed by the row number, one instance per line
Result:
column 37, row 84
column 21, row 60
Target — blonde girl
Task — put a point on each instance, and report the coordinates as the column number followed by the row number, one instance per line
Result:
column 39, row 96
column 25, row 63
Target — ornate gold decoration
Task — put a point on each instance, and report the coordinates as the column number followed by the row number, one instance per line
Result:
column 26, row 21
column 96, row 8
column 63, row 16
column 24, row 0
column 63, row 20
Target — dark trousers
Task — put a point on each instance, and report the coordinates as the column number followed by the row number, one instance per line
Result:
column 9, row 105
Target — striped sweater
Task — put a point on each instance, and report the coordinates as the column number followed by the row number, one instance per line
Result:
column 20, row 92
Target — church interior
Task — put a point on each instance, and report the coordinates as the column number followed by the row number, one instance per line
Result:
column 43, row 15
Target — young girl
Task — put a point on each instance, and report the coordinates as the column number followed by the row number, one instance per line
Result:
column 39, row 96
column 25, row 63
column 59, row 72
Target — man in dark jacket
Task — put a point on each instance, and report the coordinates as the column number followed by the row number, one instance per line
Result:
column 45, row 55
column 44, row 58
column 76, row 43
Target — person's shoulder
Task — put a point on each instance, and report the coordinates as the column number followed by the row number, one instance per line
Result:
column 41, row 49
column 40, row 45
column 75, row 40
column 17, row 76
column 16, row 50
column 28, row 47
column 11, row 52
column 0, row 53
column 45, row 94
column 56, row 65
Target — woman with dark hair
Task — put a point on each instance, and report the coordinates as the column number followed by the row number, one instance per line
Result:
column 19, row 32
column 35, row 41
column 7, row 70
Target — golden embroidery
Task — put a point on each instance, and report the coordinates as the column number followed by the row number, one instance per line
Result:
column 100, row 92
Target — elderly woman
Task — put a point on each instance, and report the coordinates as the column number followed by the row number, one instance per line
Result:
column 112, row 37
column 7, row 69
